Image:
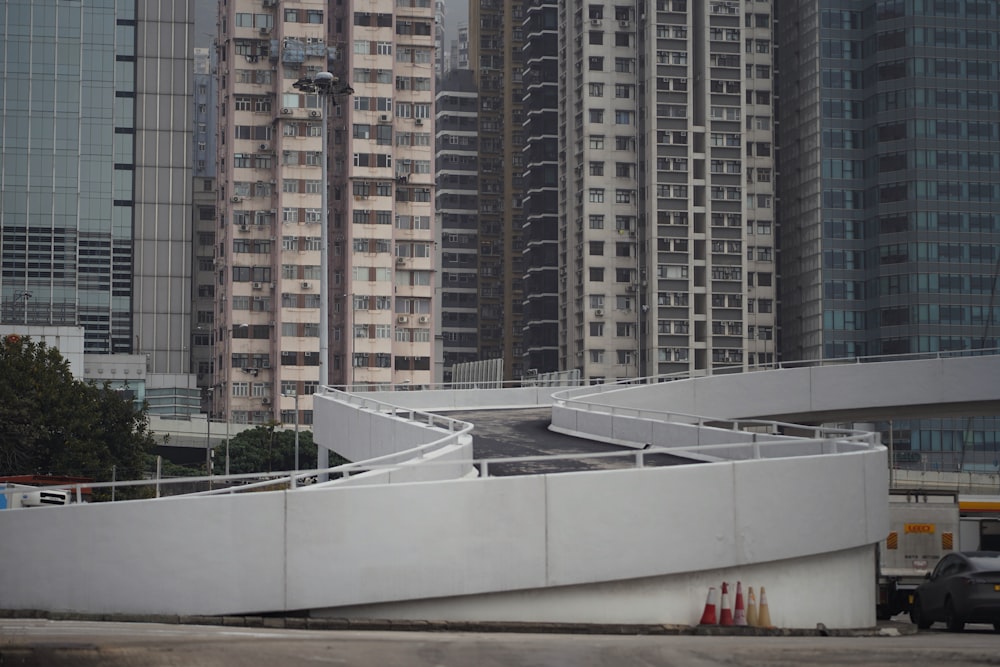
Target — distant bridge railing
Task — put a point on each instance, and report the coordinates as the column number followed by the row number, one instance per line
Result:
column 573, row 379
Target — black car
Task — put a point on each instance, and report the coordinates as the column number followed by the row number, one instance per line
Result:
column 963, row 588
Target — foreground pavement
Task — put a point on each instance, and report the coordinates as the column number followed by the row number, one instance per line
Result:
column 38, row 642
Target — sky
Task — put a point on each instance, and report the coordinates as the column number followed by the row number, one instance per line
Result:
column 457, row 11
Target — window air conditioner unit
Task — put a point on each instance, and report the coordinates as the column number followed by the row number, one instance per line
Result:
column 599, row 313
column 286, row 111
column 314, row 114
column 244, row 228
column 306, row 285
column 236, row 199
column 596, row 22
column 265, row 31
column 400, row 260
column 264, row 147
column 384, row 118
column 256, row 286
column 265, row 401
column 424, row 319
column 418, row 121
column 623, row 24
column 402, row 319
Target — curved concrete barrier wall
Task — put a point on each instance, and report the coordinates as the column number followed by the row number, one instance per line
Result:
column 639, row 545
column 365, row 429
column 397, row 543
column 820, row 390
column 444, row 400
column 678, row 597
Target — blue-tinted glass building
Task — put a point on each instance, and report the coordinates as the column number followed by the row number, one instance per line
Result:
column 889, row 188
column 95, row 185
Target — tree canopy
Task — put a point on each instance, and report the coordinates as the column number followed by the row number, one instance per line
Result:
column 267, row 449
column 52, row 423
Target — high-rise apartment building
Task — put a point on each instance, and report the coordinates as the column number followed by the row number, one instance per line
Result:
column 96, row 178
column 383, row 185
column 495, row 55
column 457, row 142
column 271, row 201
column 541, row 187
column 890, row 156
column 666, row 187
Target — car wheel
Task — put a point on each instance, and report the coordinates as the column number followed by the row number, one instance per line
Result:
column 951, row 619
column 917, row 616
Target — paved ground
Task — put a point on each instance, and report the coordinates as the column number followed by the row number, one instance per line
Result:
column 518, row 433
column 45, row 643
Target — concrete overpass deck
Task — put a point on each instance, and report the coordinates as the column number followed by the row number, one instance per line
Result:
column 524, row 436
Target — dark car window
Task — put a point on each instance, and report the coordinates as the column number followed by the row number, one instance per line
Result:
column 943, row 566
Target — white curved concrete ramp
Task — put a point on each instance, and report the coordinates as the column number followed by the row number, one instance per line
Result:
column 412, row 532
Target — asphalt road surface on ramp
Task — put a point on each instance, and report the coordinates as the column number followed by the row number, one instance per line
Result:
column 44, row 643
column 520, row 433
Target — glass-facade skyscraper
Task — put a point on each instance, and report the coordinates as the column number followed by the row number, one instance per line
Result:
column 95, row 172
column 889, row 167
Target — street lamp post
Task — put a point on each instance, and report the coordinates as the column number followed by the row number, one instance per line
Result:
column 208, row 435
column 23, row 296
column 229, row 392
column 295, row 395
column 324, row 84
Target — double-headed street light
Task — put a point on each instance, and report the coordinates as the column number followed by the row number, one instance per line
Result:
column 327, row 86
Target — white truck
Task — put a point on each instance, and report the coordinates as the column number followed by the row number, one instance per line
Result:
column 923, row 527
column 14, row 496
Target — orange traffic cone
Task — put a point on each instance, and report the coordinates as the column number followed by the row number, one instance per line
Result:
column 725, row 614
column 751, row 608
column 708, row 616
column 764, row 617
column 739, row 613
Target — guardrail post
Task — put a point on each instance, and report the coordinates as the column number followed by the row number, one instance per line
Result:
column 485, row 470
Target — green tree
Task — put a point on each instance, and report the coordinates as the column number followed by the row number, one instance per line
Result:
column 267, row 449
column 52, row 423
